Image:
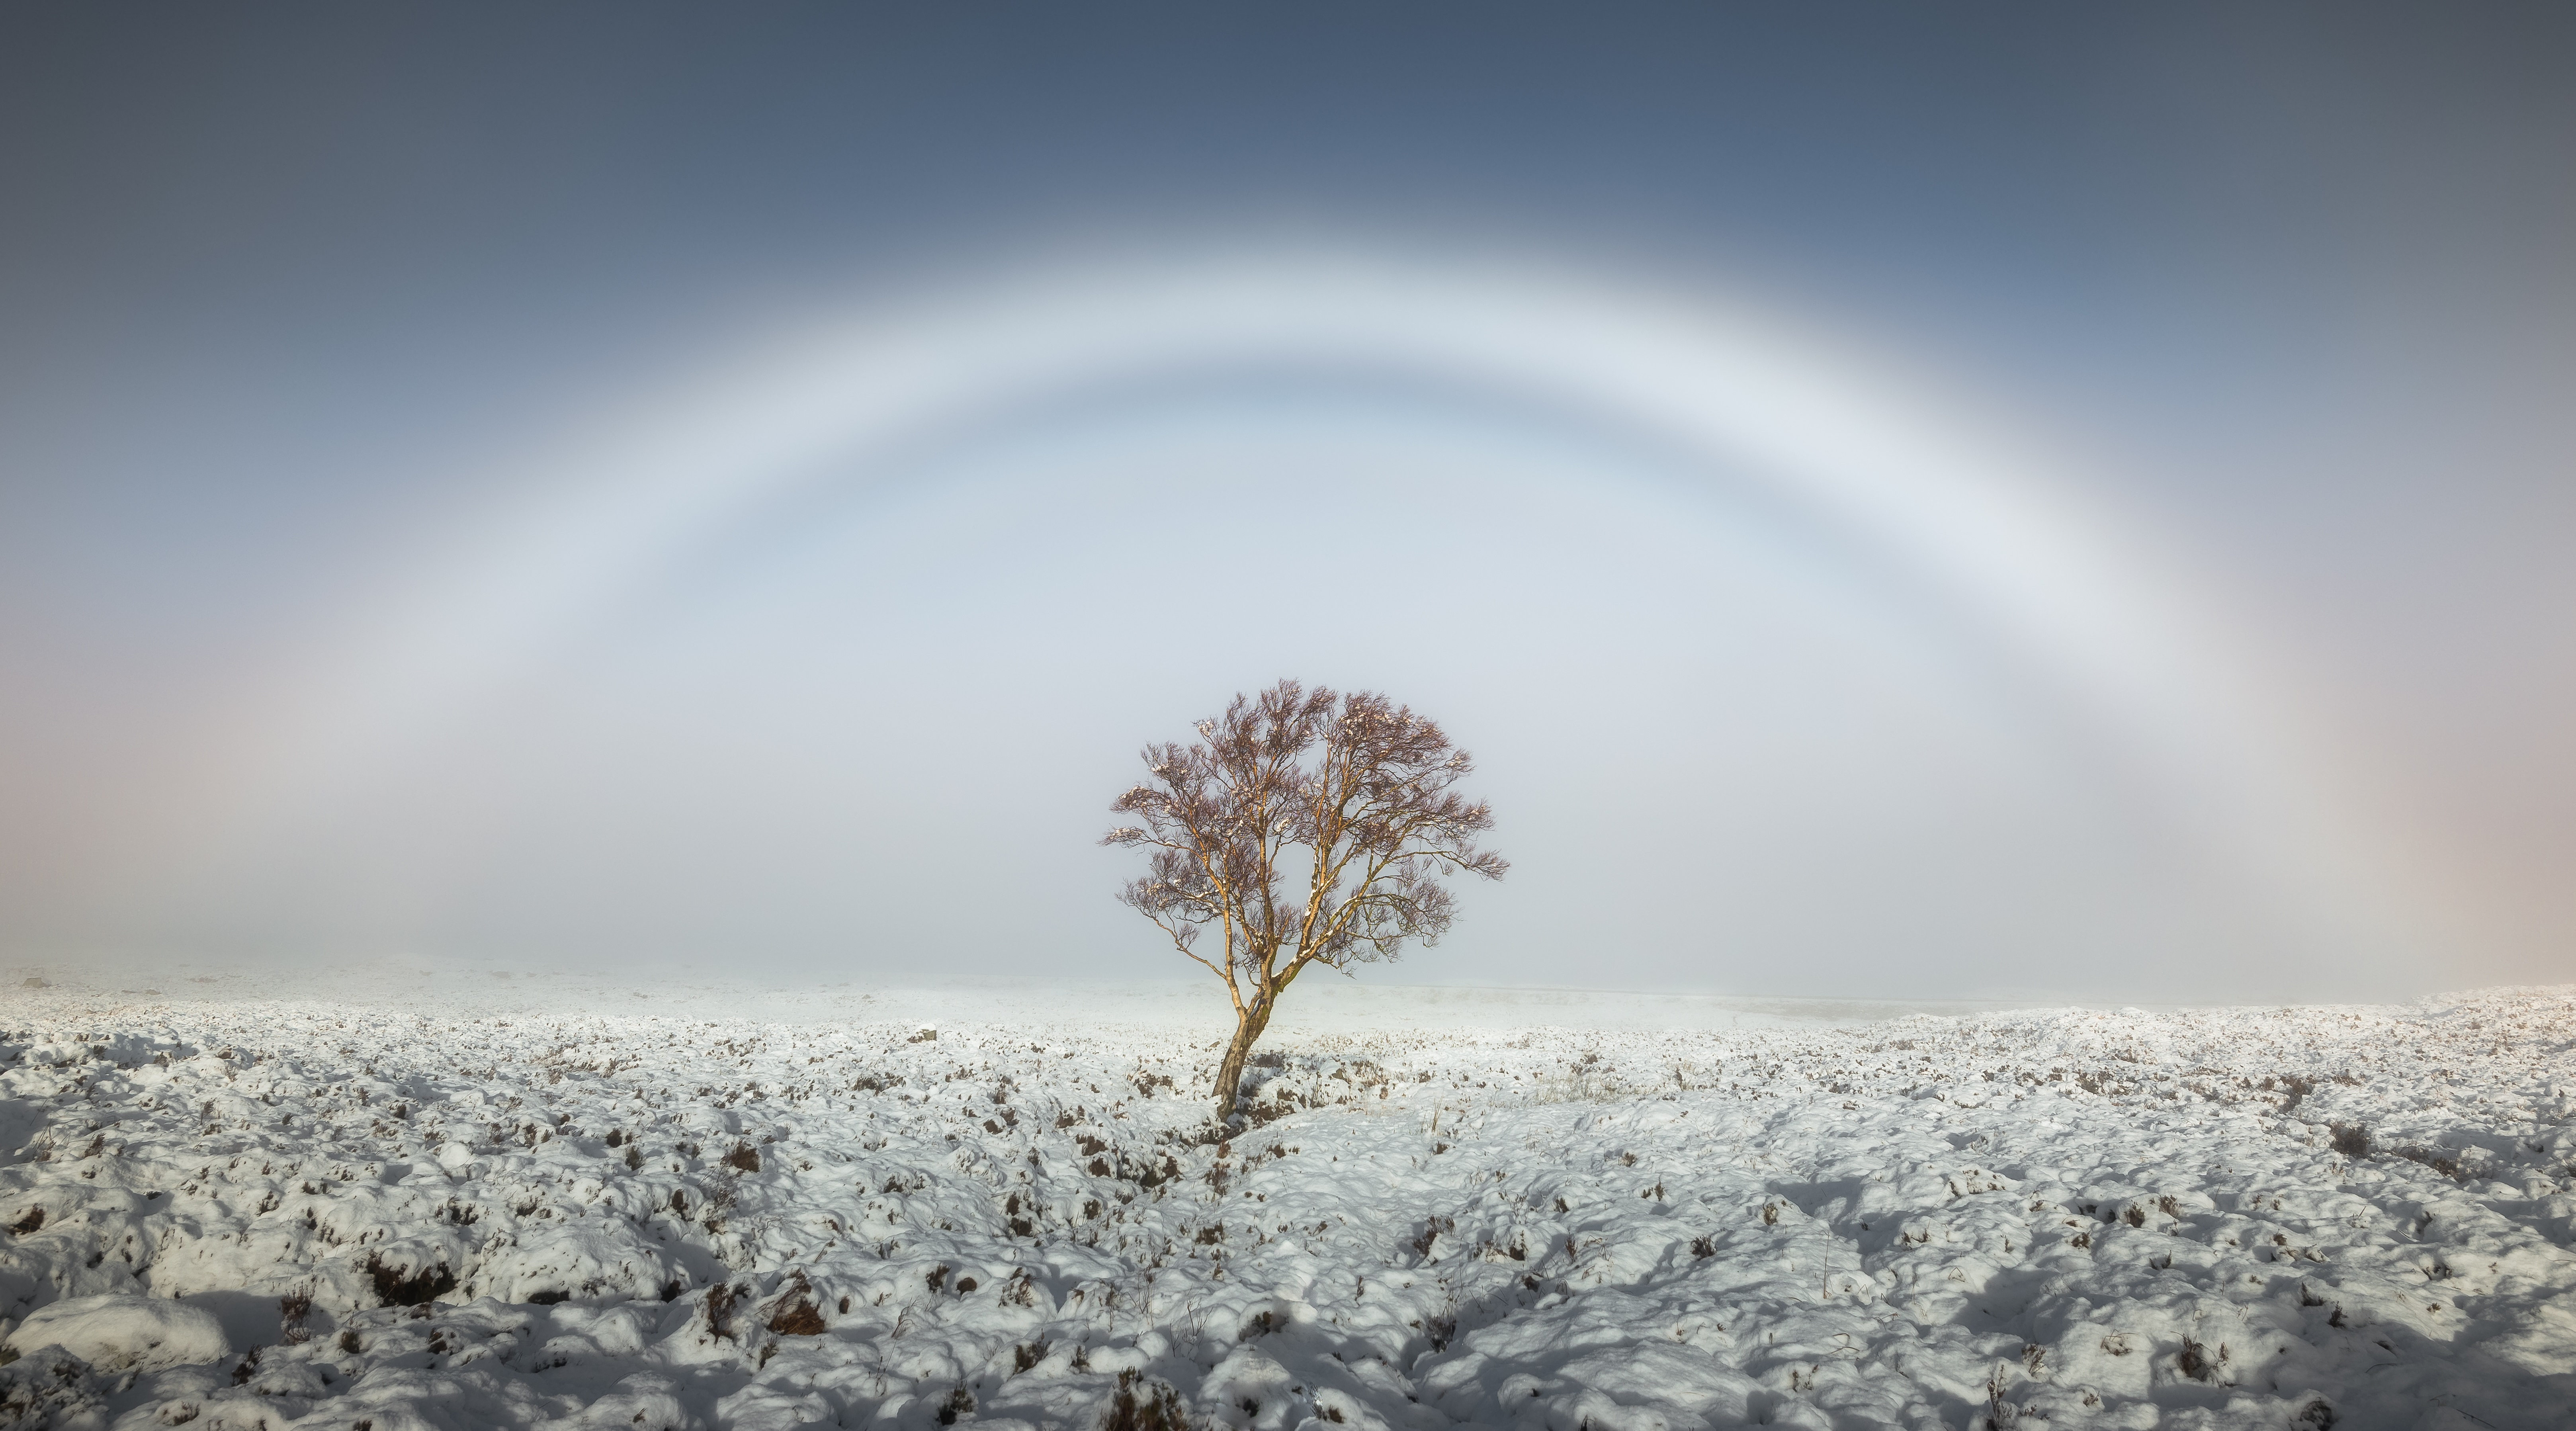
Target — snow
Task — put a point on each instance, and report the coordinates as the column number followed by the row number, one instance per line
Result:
column 411, row 1199
column 115, row 1332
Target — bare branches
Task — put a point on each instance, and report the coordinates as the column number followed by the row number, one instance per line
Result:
column 1352, row 796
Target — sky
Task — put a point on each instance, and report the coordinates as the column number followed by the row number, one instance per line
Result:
column 2003, row 501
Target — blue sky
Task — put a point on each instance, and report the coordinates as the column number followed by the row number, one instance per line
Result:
column 403, row 552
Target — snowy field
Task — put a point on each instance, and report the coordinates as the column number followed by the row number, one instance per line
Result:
column 406, row 1200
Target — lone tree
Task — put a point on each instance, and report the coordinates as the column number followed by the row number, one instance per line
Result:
column 1352, row 794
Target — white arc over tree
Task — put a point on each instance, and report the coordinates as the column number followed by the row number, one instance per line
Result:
column 1961, row 506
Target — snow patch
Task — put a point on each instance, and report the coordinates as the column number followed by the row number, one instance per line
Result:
column 117, row 1333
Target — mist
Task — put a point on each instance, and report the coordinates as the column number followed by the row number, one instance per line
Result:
column 1999, row 505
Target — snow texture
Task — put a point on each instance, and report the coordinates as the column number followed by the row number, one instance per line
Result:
column 245, row 1213
column 119, row 1331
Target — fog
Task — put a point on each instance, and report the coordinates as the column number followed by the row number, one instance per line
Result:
column 1990, row 506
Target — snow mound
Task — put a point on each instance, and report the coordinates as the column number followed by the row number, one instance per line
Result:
column 118, row 1333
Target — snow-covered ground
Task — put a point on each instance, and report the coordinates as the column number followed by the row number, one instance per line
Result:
column 412, row 1201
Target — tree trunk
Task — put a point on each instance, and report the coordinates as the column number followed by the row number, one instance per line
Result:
column 1229, row 1075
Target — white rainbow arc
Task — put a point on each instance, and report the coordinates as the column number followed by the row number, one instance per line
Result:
column 1962, row 505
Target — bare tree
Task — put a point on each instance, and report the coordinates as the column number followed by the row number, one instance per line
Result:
column 1351, row 793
